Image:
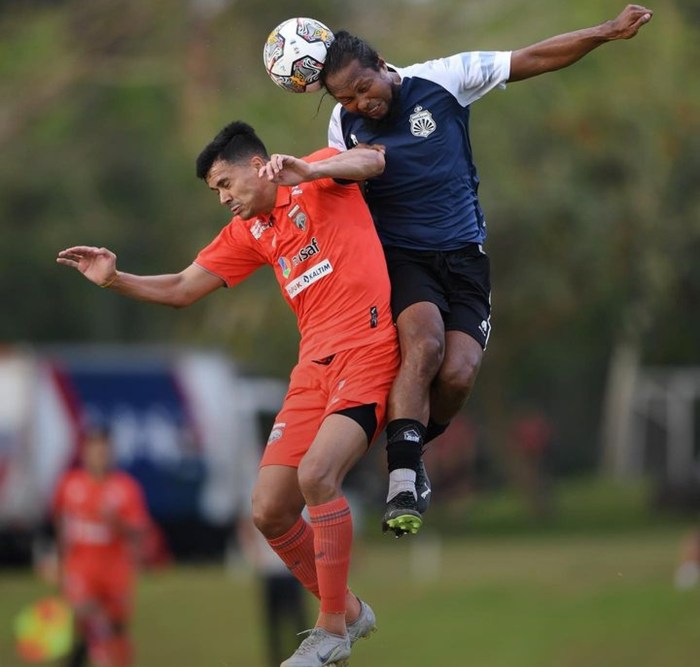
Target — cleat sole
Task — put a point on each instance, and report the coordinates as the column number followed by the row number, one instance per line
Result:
column 404, row 524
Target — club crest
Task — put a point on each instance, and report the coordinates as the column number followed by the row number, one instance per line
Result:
column 421, row 122
column 300, row 221
column 298, row 217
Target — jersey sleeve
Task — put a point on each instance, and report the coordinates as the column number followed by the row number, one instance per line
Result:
column 468, row 76
column 230, row 255
column 335, row 130
column 324, row 183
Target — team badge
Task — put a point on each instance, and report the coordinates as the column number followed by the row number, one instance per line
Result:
column 421, row 122
column 298, row 216
column 300, row 221
column 277, row 432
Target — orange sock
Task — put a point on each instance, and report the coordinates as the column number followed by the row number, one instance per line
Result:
column 296, row 549
column 332, row 528
column 121, row 651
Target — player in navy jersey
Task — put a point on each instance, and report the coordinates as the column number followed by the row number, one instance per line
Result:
column 427, row 214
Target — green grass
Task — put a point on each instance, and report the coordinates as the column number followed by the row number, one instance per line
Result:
column 522, row 601
column 583, row 506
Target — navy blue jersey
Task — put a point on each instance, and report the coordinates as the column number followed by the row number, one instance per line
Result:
column 426, row 199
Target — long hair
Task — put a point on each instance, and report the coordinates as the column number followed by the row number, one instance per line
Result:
column 344, row 49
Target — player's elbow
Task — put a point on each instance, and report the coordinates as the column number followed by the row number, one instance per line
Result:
column 182, row 300
column 377, row 164
column 190, row 285
column 182, row 296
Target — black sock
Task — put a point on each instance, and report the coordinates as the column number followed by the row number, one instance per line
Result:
column 434, row 430
column 404, row 443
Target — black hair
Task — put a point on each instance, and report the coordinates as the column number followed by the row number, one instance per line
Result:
column 344, row 49
column 235, row 143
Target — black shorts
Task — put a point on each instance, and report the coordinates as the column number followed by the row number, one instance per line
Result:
column 457, row 281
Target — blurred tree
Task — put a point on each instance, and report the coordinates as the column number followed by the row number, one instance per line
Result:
column 588, row 180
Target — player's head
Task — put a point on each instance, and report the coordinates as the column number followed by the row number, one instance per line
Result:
column 97, row 452
column 355, row 75
column 230, row 164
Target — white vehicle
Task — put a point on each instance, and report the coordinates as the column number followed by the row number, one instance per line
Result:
column 185, row 422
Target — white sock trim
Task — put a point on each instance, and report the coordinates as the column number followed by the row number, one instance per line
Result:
column 401, row 479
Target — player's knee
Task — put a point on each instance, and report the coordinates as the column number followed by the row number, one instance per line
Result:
column 457, row 381
column 423, row 353
column 271, row 518
column 317, row 483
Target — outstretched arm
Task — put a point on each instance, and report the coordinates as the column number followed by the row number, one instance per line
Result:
column 564, row 50
column 99, row 265
column 357, row 164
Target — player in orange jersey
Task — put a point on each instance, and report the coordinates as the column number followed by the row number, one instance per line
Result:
column 306, row 220
column 101, row 522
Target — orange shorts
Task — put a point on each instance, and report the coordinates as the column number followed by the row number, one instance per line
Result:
column 360, row 376
column 107, row 585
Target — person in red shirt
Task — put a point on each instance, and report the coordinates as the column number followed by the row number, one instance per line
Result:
column 101, row 521
column 307, row 219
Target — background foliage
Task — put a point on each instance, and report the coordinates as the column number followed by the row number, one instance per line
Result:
column 589, row 179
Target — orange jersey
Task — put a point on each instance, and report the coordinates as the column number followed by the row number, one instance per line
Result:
column 94, row 515
column 320, row 240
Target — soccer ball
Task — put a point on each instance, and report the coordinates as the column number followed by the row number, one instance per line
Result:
column 294, row 54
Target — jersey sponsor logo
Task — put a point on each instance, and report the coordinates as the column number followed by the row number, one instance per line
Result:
column 284, row 265
column 258, row 228
column 305, row 253
column 421, row 122
column 309, row 277
column 86, row 531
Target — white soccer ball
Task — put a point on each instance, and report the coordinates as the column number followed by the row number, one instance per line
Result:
column 294, row 54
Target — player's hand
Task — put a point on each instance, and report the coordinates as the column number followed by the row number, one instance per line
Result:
column 630, row 20
column 97, row 264
column 48, row 567
column 375, row 147
column 285, row 170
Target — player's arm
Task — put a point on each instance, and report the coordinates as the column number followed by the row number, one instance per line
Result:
column 99, row 265
column 564, row 50
column 129, row 517
column 357, row 164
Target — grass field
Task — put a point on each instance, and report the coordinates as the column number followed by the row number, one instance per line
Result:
column 526, row 601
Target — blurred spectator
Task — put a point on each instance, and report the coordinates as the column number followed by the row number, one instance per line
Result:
column 530, row 441
column 103, row 532
column 688, row 570
column 451, row 459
